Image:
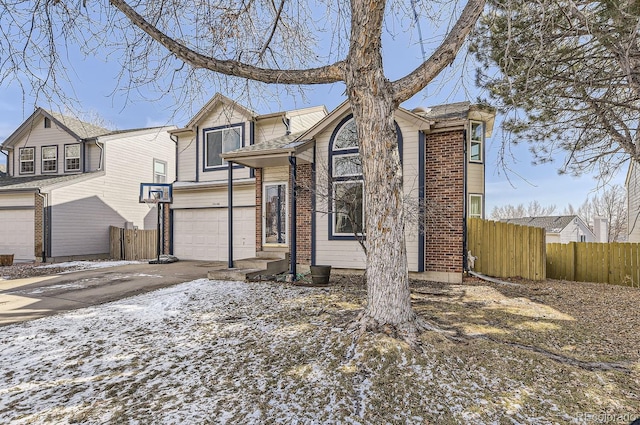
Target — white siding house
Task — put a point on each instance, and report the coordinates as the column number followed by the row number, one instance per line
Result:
column 559, row 229
column 288, row 169
column 75, row 180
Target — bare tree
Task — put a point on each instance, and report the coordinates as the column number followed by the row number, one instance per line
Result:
column 610, row 204
column 274, row 43
column 567, row 78
column 534, row 209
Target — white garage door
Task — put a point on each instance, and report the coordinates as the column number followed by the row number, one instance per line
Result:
column 201, row 234
column 17, row 234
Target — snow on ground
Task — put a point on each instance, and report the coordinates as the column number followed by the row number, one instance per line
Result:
column 254, row 353
column 87, row 265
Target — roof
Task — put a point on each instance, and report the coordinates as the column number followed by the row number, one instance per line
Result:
column 287, row 142
column 552, row 224
column 76, row 128
column 38, row 182
column 459, row 110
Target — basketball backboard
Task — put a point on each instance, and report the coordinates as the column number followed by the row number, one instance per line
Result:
column 156, row 193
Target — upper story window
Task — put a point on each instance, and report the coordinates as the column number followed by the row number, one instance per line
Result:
column 72, row 157
column 476, row 141
column 47, row 122
column 220, row 140
column 347, row 185
column 159, row 171
column 49, row 159
column 475, row 206
column 27, row 160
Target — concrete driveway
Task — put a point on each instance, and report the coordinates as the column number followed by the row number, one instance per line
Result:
column 32, row 298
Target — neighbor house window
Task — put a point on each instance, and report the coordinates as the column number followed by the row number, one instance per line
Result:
column 49, row 159
column 217, row 141
column 347, row 184
column 476, row 141
column 159, row 171
column 72, row 157
column 27, row 160
column 475, row 206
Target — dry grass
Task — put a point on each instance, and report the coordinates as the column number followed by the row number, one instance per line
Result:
column 220, row 352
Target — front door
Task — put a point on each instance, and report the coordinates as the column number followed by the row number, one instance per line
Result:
column 275, row 213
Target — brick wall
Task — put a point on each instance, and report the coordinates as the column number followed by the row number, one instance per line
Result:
column 444, row 194
column 166, row 228
column 38, row 226
column 303, row 214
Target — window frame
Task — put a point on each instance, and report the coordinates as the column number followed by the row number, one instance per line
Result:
column 32, row 160
column 205, row 150
column 342, row 152
column 472, row 142
column 481, row 197
column 336, row 214
column 43, row 169
column 67, row 158
column 155, row 174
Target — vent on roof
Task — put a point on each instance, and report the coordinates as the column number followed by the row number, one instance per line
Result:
column 420, row 110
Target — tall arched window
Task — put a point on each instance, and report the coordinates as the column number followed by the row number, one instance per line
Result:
column 347, row 194
column 347, row 220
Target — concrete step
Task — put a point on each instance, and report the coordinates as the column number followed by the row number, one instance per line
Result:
column 248, row 268
column 233, row 274
column 273, row 254
column 269, row 265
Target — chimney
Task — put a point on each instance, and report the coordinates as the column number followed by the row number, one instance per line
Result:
column 601, row 229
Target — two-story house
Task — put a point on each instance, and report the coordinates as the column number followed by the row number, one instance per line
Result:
column 68, row 181
column 290, row 182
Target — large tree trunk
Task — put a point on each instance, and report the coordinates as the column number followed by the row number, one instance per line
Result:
column 371, row 99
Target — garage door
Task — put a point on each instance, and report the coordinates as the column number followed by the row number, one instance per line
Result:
column 201, row 234
column 17, row 234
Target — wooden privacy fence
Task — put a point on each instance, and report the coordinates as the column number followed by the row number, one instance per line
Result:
column 132, row 244
column 507, row 250
column 615, row 263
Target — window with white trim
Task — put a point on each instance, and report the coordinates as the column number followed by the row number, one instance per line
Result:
column 347, row 185
column 475, row 206
column 217, row 141
column 476, row 141
column 27, row 160
column 72, row 157
column 159, row 171
column 49, row 159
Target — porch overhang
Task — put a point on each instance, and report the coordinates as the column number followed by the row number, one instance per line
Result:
column 272, row 153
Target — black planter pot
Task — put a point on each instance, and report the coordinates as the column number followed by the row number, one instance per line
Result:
column 320, row 274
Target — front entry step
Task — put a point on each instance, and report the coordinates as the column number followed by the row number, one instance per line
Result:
column 249, row 268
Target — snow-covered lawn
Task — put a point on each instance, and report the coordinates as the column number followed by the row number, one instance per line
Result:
column 253, row 353
column 88, row 265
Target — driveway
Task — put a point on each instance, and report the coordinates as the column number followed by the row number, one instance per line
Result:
column 32, row 298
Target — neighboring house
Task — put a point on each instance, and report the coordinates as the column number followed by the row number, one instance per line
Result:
column 68, row 181
column 442, row 151
column 632, row 184
column 559, row 229
column 3, row 170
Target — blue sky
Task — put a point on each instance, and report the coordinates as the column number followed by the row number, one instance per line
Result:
column 94, row 84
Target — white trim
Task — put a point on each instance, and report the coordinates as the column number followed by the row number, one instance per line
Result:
column 335, row 212
column 472, row 141
column 264, row 213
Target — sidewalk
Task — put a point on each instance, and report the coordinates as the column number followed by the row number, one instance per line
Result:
column 35, row 297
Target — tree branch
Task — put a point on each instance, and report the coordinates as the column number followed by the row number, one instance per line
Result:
column 442, row 57
column 322, row 75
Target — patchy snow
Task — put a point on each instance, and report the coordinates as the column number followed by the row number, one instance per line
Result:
column 252, row 353
column 88, row 265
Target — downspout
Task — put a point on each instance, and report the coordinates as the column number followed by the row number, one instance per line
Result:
column 171, row 136
column 99, row 146
column 230, row 214
column 6, row 154
column 45, row 225
column 294, row 254
column 464, row 203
